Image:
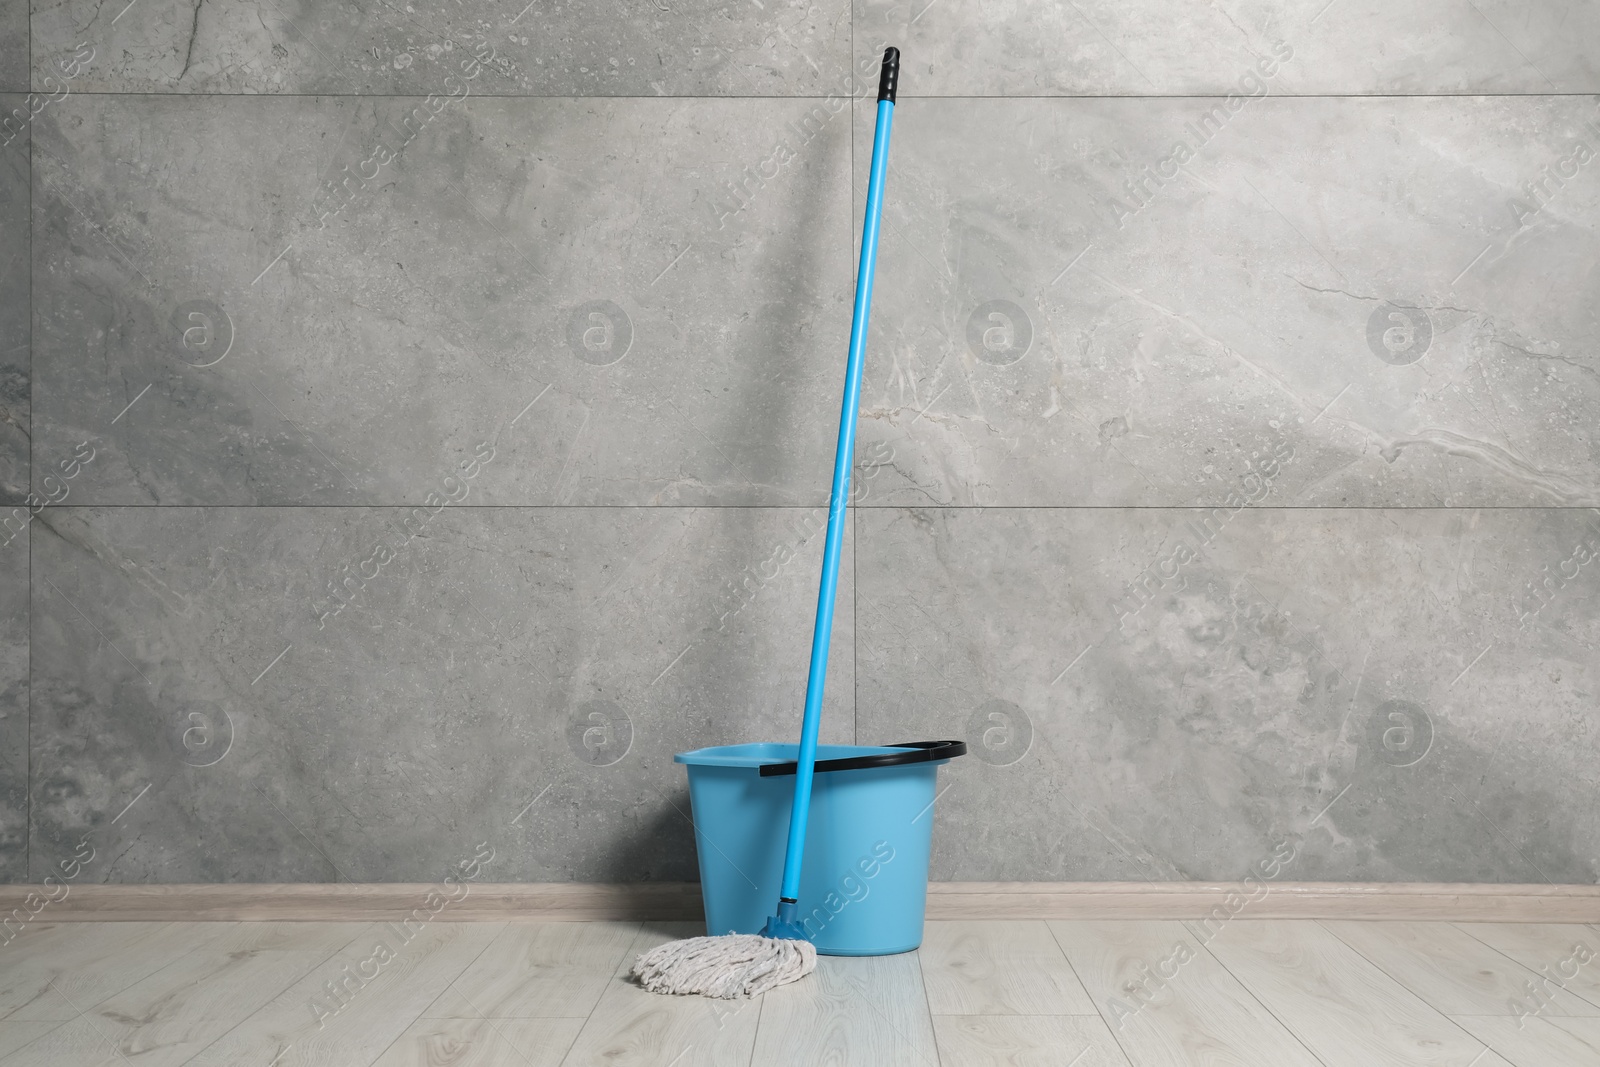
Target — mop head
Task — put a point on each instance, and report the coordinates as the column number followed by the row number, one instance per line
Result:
column 729, row 967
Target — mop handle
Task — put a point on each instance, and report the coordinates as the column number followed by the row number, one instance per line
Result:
column 839, row 498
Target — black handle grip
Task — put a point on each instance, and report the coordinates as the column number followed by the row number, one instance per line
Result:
column 915, row 752
column 891, row 74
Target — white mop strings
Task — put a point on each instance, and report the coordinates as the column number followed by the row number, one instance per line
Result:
column 729, row 967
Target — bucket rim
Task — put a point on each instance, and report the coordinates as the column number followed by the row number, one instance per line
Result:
column 760, row 753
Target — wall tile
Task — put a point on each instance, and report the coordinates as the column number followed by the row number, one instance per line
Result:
column 197, row 651
column 693, row 48
column 1362, row 684
column 1368, row 279
column 679, row 342
column 14, row 458
column 14, row 702
column 1342, row 47
column 15, row 319
column 269, row 295
column 13, row 47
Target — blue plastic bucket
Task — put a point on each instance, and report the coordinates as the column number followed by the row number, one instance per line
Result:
column 864, row 877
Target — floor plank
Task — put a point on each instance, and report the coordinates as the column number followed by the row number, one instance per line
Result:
column 74, row 1042
column 1026, row 1041
column 1588, row 1030
column 632, row 1028
column 1449, row 968
column 83, row 967
column 1342, row 1007
column 998, row 968
column 1547, row 948
column 539, row 970
column 1201, row 1014
column 389, row 981
column 15, row 1035
column 482, row 1043
column 37, row 937
column 1257, row 994
column 171, row 1015
column 1537, row 1042
column 869, row 1011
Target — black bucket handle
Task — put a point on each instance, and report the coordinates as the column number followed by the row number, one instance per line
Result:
column 914, row 752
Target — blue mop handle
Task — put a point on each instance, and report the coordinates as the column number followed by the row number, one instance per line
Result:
column 844, row 458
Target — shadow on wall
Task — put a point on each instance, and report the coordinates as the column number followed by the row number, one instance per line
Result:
column 660, row 848
column 663, row 849
column 1216, row 730
column 1419, row 793
column 766, row 355
column 773, row 351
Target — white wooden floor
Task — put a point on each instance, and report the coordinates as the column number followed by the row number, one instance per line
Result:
column 1273, row 994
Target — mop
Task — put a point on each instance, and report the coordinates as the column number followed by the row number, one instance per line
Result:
column 745, row 965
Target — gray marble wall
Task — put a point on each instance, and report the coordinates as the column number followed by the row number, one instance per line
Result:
column 427, row 410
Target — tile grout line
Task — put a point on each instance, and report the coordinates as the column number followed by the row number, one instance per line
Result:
column 902, row 97
column 1265, row 508
column 27, row 783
